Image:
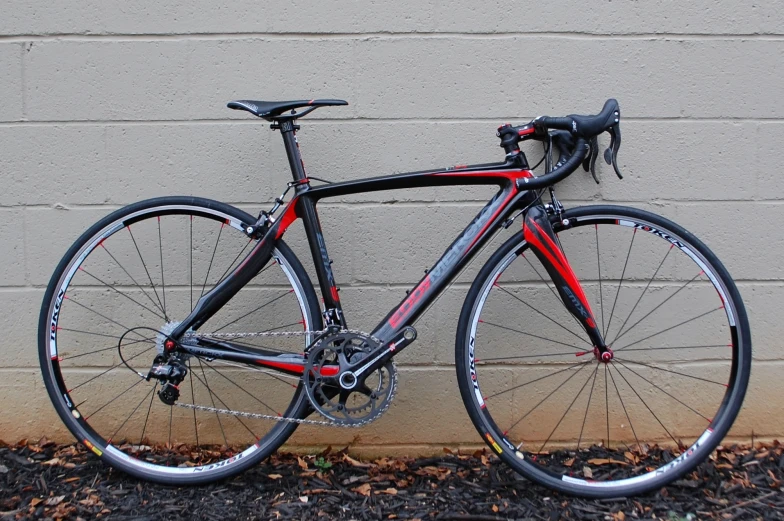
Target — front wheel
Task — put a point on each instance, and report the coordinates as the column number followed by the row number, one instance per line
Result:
column 551, row 409
column 127, row 282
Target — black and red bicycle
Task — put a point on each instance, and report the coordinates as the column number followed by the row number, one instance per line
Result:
column 182, row 341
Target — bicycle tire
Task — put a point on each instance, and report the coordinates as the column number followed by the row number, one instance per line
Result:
column 567, row 467
column 182, row 462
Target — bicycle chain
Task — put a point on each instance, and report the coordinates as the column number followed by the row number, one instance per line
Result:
column 300, row 421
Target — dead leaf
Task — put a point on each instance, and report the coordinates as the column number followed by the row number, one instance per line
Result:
column 631, row 457
column 303, row 499
column 355, row 463
column 71, row 480
column 495, row 508
column 363, row 489
column 274, row 476
column 569, row 462
column 391, row 491
column 619, row 516
column 587, row 472
column 448, row 450
column 302, row 463
column 56, row 500
column 36, row 501
column 605, row 461
column 52, row 462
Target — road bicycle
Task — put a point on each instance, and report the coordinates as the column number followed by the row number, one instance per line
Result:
column 600, row 351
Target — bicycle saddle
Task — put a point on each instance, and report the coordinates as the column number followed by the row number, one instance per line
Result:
column 272, row 109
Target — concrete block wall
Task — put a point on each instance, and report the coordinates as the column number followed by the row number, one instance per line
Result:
column 107, row 103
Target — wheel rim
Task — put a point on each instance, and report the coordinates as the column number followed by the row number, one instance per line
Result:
column 129, row 285
column 548, row 408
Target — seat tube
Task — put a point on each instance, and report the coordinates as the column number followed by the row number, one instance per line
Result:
column 288, row 129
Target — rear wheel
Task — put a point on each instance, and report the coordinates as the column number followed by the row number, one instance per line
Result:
column 550, row 409
column 125, row 283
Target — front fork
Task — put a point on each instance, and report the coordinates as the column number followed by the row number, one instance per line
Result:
column 540, row 237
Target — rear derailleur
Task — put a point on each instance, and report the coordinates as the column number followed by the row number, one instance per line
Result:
column 170, row 371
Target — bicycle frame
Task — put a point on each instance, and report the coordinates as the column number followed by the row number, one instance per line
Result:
column 303, row 205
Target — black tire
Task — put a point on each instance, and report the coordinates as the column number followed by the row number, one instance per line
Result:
column 609, row 468
column 198, row 460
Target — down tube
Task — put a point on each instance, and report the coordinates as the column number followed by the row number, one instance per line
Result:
column 449, row 265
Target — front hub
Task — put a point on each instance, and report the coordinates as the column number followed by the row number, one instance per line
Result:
column 603, row 354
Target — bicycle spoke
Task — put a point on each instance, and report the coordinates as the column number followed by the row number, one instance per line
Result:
column 281, row 327
column 86, row 417
column 542, row 314
column 620, row 282
column 599, row 265
column 276, row 376
column 671, row 371
column 662, row 390
column 233, row 413
column 485, row 360
column 587, row 406
column 486, row 398
column 548, row 396
column 101, row 315
column 106, row 349
column 147, row 418
column 622, row 333
column 669, row 328
column 233, row 261
column 552, row 290
column 676, row 347
column 163, row 281
column 171, row 414
column 190, row 257
column 212, row 399
column 110, row 369
column 224, row 326
column 88, row 332
column 209, row 268
column 130, row 415
column 131, row 276
column 530, row 334
column 649, row 409
column 577, row 395
column 144, row 265
column 193, row 400
column 243, row 389
column 607, row 404
column 620, row 399
column 121, row 293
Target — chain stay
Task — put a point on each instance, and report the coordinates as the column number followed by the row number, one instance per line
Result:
column 301, row 421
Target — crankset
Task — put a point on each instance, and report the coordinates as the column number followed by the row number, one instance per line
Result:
column 341, row 396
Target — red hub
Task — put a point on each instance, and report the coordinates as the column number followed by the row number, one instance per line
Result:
column 169, row 345
column 604, row 357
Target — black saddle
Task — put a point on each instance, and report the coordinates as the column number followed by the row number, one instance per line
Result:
column 270, row 110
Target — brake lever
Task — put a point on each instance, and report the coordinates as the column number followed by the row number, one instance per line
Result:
column 589, row 163
column 611, row 154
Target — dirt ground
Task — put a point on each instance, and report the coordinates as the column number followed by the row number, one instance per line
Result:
column 43, row 480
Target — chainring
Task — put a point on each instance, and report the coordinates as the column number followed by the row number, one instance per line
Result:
column 367, row 400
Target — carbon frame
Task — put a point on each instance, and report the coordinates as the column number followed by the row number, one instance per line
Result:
column 509, row 198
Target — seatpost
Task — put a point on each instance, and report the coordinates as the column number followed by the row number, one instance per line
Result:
column 288, row 129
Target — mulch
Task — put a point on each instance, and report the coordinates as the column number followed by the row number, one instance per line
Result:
column 45, row 480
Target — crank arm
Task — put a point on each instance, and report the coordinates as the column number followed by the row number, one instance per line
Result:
column 382, row 355
column 540, row 237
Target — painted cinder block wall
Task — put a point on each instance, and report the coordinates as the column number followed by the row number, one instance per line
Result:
column 105, row 103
